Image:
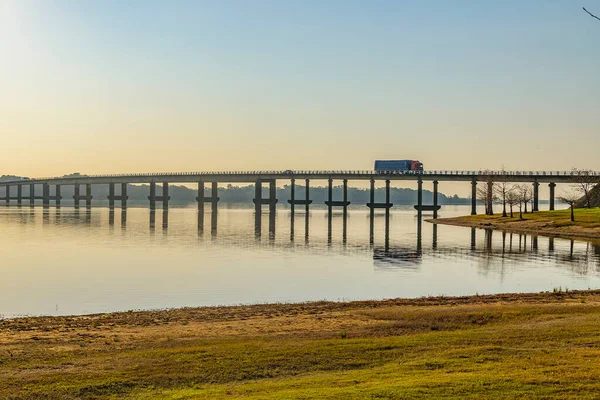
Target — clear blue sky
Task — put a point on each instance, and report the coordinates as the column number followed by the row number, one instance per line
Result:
column 131, row 86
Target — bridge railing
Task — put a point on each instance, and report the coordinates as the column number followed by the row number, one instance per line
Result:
column 324, row 173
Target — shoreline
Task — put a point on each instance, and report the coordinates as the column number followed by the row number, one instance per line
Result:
column 428, row 347
column 545, row 223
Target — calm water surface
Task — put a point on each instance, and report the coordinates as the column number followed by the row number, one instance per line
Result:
column 75, row 262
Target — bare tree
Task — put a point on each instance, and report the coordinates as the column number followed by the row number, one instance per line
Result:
column 585, row 180
column 570, row 198
column 512, row 198
column 486, row 190
column 501, row 189
column 592, row 15
column 525, row 194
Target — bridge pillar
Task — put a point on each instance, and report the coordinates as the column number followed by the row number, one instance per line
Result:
column 345, row 198
column 387, row 200
column 31, row 194
column 372, row 200
column 124, row 196
column 111, row 196
column 307, row 196
column 490, row 198
column 200, row 198
column 420, row 196
column 76, row 194
column 88, row 195
column 57, row 196
column 272, row 193
column 536, row 196
column 152, row 196
column 473, row 197
column 165, row 195
column 7, row 194
column 292, row 196
column 329, row 195
column 552, row 186
column 46, row 194
column 214, row 198
column 19, row 194
column 258, row 196
column 435, row 199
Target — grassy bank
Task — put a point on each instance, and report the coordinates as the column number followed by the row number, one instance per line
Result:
column 532, row 346
column 552, row 223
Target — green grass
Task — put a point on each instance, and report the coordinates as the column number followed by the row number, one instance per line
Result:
column 548, row 348
column 583, row 216
column 553, row 223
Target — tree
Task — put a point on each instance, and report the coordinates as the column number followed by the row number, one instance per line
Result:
column 570, row 198
column 525, row 194
column 501, row 190
column 512, row 198
column 585, row 180
column 486, row 190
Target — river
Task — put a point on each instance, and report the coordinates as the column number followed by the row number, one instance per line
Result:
column 57, row 262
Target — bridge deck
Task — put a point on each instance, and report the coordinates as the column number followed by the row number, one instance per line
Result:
column 253, row 176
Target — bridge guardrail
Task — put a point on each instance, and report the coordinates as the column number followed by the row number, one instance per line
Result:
column 323, row 173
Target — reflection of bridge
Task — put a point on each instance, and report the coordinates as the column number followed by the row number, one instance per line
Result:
column 385, row 255
column 27, row 189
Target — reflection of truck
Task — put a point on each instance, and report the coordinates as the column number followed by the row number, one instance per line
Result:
column 398, row 165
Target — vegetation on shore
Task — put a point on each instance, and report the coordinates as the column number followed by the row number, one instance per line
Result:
column 531, row 346
column 550, row 223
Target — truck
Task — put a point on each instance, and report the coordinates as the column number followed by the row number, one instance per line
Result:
column 398, row 165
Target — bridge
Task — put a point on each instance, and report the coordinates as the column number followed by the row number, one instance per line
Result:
column 271, row 177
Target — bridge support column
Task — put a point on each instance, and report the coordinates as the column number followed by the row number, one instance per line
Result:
column 19, row 194
column 32, row 194
column 57, row 197
column 307, row 196
column 552, row 186
column 46, row 195
column 372, row 200
column 152, row 196
column 473, row 197
column 387, row 201
column 165, row 196
column 293, row 195
column 435, row 199
column 111, row 196
column 214, row 196
column 124, row 196
column 258, row 196
column 536, row 196
column 7, row 194
column 200, row 197
column 76, row 195
column 329, row 195
column 345, row 198
column 88, row 195
column 272, row 193
column 420, row 196
column 490, row 198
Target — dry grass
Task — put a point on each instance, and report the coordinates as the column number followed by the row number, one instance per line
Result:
column 550, row 223
column 533, row 345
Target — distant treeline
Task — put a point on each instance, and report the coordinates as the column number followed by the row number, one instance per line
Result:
column 182, row 195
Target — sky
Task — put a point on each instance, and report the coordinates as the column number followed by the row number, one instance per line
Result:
column 147, row 86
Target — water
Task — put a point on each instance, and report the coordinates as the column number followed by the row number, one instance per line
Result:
column 56, row 262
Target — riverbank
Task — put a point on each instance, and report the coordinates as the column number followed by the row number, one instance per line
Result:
column 549, row 223
column 516, row 345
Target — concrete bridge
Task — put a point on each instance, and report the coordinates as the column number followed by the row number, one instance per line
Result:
column 536, row 178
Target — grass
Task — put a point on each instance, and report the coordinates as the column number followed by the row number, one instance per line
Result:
column 505, row 346
column 554, row 223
